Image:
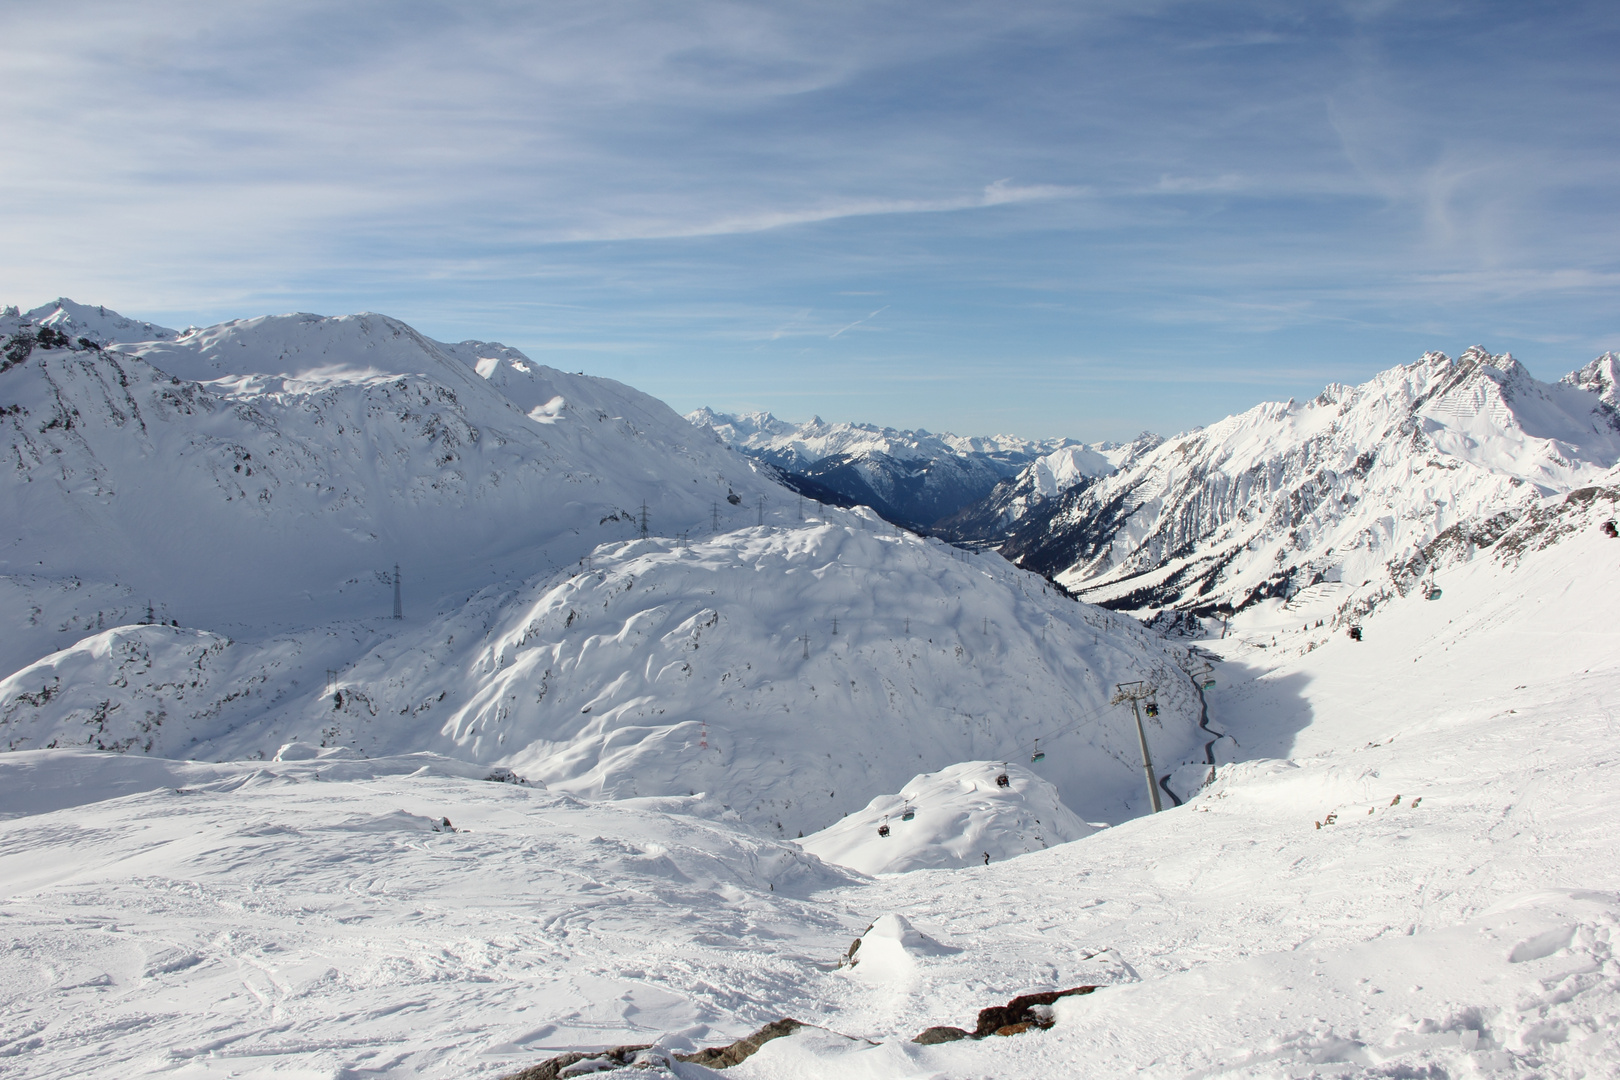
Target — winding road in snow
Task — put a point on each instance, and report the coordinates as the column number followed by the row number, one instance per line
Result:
column 1203, row 722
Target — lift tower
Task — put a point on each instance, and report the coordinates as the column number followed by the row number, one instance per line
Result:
column 1135, row 692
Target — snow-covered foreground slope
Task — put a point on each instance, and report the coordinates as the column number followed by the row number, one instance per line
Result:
column 794, row 673
column 1454, row 913
column 270, row 472
column 1344, row 488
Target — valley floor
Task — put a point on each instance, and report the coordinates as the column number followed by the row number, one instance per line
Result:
column 1410, row 869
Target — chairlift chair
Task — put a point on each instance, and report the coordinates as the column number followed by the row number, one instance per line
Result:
column 883, row 829
column 909, row 814
column 1151, row 708
column 1039, row 754
column 1002, row 781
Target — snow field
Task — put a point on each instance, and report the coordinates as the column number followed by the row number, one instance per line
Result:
column 304, row 918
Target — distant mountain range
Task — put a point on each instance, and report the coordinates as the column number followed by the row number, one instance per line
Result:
column 918, row 479
column 1347, row 491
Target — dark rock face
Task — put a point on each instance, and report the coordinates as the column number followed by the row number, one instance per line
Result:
column 549, row 1069
column 1021, row 1014
column 723, row 1057
column 714, row 1057
column 933, row 1035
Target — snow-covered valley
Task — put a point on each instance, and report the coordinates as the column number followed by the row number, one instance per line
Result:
column 599, row 789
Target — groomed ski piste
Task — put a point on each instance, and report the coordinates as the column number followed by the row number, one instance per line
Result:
column 1404, row 864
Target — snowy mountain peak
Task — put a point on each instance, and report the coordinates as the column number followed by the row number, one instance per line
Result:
column 1600, row 377
column 1350, row 485
column 100, row 324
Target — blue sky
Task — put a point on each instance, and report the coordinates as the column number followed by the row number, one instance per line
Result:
column 1082, row 219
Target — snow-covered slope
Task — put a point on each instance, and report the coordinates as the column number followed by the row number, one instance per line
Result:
column 1347, row 487
column 915, row 478
column 1414, row 873
column 792, row 672
column 265, row 472
column 959, row 816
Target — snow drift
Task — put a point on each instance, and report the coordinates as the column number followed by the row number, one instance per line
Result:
column 959, row 816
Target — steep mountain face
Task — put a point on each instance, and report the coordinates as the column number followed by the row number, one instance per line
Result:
column 1599, row 377
column 1347, row 487
column 263, row 472
column 201, row 529
column 991, row 519
column 912, row 478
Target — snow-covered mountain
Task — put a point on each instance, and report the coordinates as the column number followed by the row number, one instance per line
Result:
column 1349, row 487
column 1043, row 479
column 792, row 672
column 913, row 478
column 264, row 472
column 252, row 484
column 95, row 324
